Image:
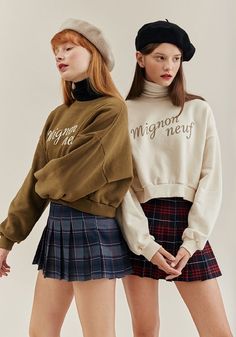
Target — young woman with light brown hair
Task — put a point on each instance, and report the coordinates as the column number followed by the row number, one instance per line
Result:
column 169, row 212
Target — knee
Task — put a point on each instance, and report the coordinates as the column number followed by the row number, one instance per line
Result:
column 224, row 334
column 41, row 332
column 147, row 331
column 35, row 332
column 220, row 333
column 32, row 332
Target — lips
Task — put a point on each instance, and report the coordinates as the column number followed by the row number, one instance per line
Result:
column 166, row 76
column 62, row 66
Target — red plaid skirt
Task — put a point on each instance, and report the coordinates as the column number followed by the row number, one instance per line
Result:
column 168, row 217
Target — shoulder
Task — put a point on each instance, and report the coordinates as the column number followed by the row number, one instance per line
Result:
column 54, row 114
column 113, row 103
column 198, row 104
column 199, row 107
column 57, row 111
column 111, row 107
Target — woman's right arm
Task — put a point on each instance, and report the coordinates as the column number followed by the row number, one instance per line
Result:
column 135, row 229
column 27, row 206
column 4, row 267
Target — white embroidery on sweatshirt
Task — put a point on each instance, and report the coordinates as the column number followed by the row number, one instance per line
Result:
column 65, row 135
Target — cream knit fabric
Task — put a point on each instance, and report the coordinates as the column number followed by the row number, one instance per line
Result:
column 174, row 156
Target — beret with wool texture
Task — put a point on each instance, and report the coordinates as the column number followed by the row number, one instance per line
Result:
column 165, row 32
column 94, row 35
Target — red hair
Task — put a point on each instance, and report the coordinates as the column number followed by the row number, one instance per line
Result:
column 98, row 73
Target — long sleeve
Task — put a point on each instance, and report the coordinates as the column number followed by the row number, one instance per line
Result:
column 26, row 207
column 207, row 200
column 100, row 155
column 134, row 226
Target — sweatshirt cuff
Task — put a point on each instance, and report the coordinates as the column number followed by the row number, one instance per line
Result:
column 191, row 246
column 5, row 243
column 150, row 250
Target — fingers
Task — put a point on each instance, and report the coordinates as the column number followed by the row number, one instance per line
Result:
column 169, row 270
column 165, row 253
column 4, row 269
column 160, row 261
column 180, row 267
column 4, row 272
column 6, row 265
column 171, row 277
column 171, row 265
column 180, row 262
column 178, row 257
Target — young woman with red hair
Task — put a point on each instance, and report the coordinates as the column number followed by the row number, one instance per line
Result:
column 82, row 167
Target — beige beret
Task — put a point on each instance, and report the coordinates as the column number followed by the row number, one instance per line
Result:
column 94, row 35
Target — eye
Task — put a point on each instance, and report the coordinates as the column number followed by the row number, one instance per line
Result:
column 159, row 58
column 177, row 58
column 68, row 48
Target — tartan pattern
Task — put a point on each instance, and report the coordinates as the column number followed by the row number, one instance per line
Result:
column 168, row 217
column 77, row 246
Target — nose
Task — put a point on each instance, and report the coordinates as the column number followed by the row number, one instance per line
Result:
column 59, row 56
column 168, row 64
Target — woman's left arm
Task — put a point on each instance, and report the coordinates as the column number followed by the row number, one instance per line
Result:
column 207, row 200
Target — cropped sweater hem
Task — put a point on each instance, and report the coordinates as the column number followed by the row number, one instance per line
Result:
column 165, row 191
column 91, row 207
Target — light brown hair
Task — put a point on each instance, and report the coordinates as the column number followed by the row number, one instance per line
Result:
column 176, row 90
column 98, row 73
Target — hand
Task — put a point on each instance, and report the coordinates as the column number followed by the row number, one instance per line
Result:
column 181, row 259
column 163, row 260
column 4, row 267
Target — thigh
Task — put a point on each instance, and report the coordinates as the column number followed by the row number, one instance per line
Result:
column 205, row 304
column 52, row 299
column 95, row 301
column 142, row 297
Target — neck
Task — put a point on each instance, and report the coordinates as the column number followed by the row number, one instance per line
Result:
column 153, row 90
column 83, row 91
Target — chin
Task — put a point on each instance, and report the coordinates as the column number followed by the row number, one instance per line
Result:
column 66, row 78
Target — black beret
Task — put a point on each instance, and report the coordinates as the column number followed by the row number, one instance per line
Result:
column 165, row 32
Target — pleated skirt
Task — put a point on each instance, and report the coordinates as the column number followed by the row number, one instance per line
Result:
column 77, row 246
column 168, row 217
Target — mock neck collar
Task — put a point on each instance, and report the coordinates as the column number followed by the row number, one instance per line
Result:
column 153, row 90
column 83, row 91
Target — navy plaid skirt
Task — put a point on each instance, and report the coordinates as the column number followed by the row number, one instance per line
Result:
column 77, row 246
column 168, row 217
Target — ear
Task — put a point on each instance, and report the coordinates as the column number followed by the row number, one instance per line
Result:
column 140, row 59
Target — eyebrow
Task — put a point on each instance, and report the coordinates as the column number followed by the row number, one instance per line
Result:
column 157, row 53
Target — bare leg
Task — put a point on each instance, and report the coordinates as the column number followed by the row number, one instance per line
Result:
column 95, row 301
column 205, row 304
column 52, row 299
column 142, row 296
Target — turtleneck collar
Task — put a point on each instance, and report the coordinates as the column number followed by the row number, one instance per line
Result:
column 84, row 92
column 153, row 90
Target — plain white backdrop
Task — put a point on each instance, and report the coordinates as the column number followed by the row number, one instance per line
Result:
column 30, row 89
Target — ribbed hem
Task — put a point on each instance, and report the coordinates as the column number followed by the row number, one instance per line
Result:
column 165, row 191
column 150, row 250
column 90, row 206
column 5, row 243
column 190, row 245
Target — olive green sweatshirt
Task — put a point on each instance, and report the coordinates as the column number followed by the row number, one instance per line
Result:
column 83, row 160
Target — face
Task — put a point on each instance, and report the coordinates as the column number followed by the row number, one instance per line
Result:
column 162, row 65
column 72, row 61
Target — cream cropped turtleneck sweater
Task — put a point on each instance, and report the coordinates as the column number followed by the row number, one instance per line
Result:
column 175, row 155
